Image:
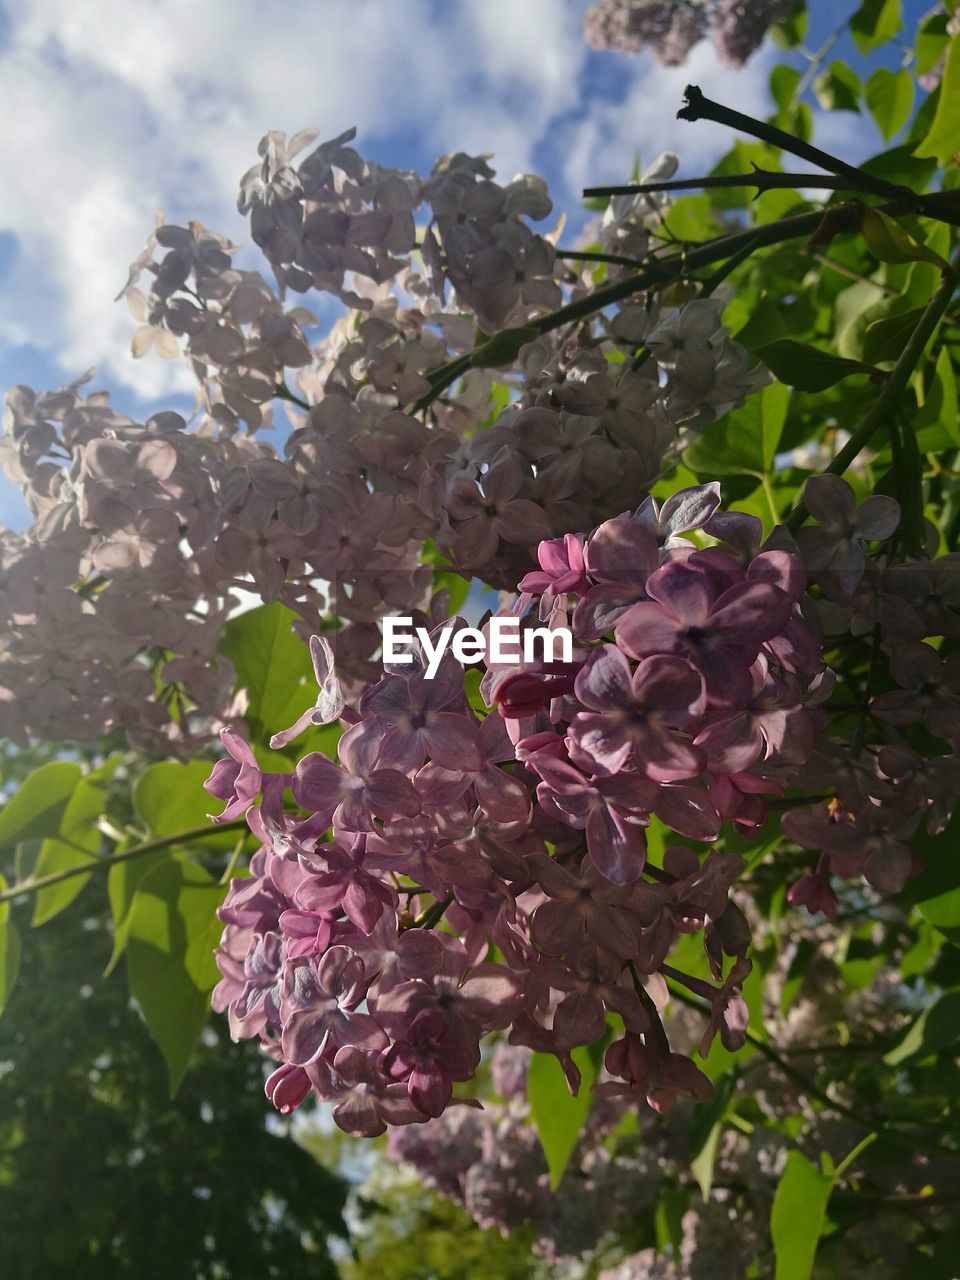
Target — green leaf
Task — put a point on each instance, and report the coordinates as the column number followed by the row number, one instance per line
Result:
column 806, row 367
column 936, row 890
column 745, row 440
column 35, row 810
column 123, row 880
column 455, row 583
column 557, row 1117
column 789, row 33
column 169, row 798
column 937, row 1027
column 75, row 844
column 172, row 936
column 668, row 1218
column 874, row 23
column 9, row 951
column 774, row 401
column 889, row 242
column 943, row 139
column 796, row 1220
column 273, row 665
column 504, row 347
column 940, row 404
column 705, row 1133
column 884, row 339
column 783, row 84
column 765, row 325
column 931, row 42
column 889, row 98
column 838, row 88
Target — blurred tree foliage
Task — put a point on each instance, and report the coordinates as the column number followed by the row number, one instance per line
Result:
column 103, row 1177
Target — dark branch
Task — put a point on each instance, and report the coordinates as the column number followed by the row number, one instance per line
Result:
column 699, row 107
column 762, row 179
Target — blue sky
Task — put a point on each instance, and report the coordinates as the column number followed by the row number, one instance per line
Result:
column 114, row 108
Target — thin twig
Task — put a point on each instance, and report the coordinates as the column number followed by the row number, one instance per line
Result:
column 699, row 107
column 114, row 859
column 591, row 255
column 674, row 266
column 762, row 179
column 813, row 1089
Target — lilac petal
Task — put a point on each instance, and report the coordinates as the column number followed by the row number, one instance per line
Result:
column 826, row 497
column 846, row 566
column 688, row 811
column 605, row 679
column 524, row 522
column 600, row 608
column 877, row 517
column 429, row 1092
column 359, row 1116
column 750, row 613
column 684, row 590
column 913, row 665
column 648, row 628
column 888, row 868
column 621, row 551
column 403, row 749
column 359, row 748
column 781, row 569
column 554, row 878
column 391, row 794
column 477, row 540
column 318, row 783
column 689, row 508
column 491, row 994
column 450, row 739
column 670, row 686
column 731, row 745
column 578, row 1020
column 360, row 1031
column 599, row 741
column 556, row 928
column 664, row 756
column 304, row 1036
column 504, row 477
column 501, row 797
column 614, row 931
column 617, row 848
column 300, row 725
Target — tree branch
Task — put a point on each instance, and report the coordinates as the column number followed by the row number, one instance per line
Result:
column 813, row 1089
column 675, row 266
column 114, row 859
column 762, row 179
column 699, row 107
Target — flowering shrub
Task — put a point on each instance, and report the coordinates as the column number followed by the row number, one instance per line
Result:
column 145, row 531
column 697, row 875
column 695, row 699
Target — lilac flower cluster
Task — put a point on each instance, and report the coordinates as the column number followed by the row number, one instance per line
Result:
column 144, row 532
column 888, row 765
column 692, row 699
column 671, row 28
column 491, row 1162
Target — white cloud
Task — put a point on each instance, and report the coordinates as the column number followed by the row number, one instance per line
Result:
column 113, row 108
column 603, row 145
